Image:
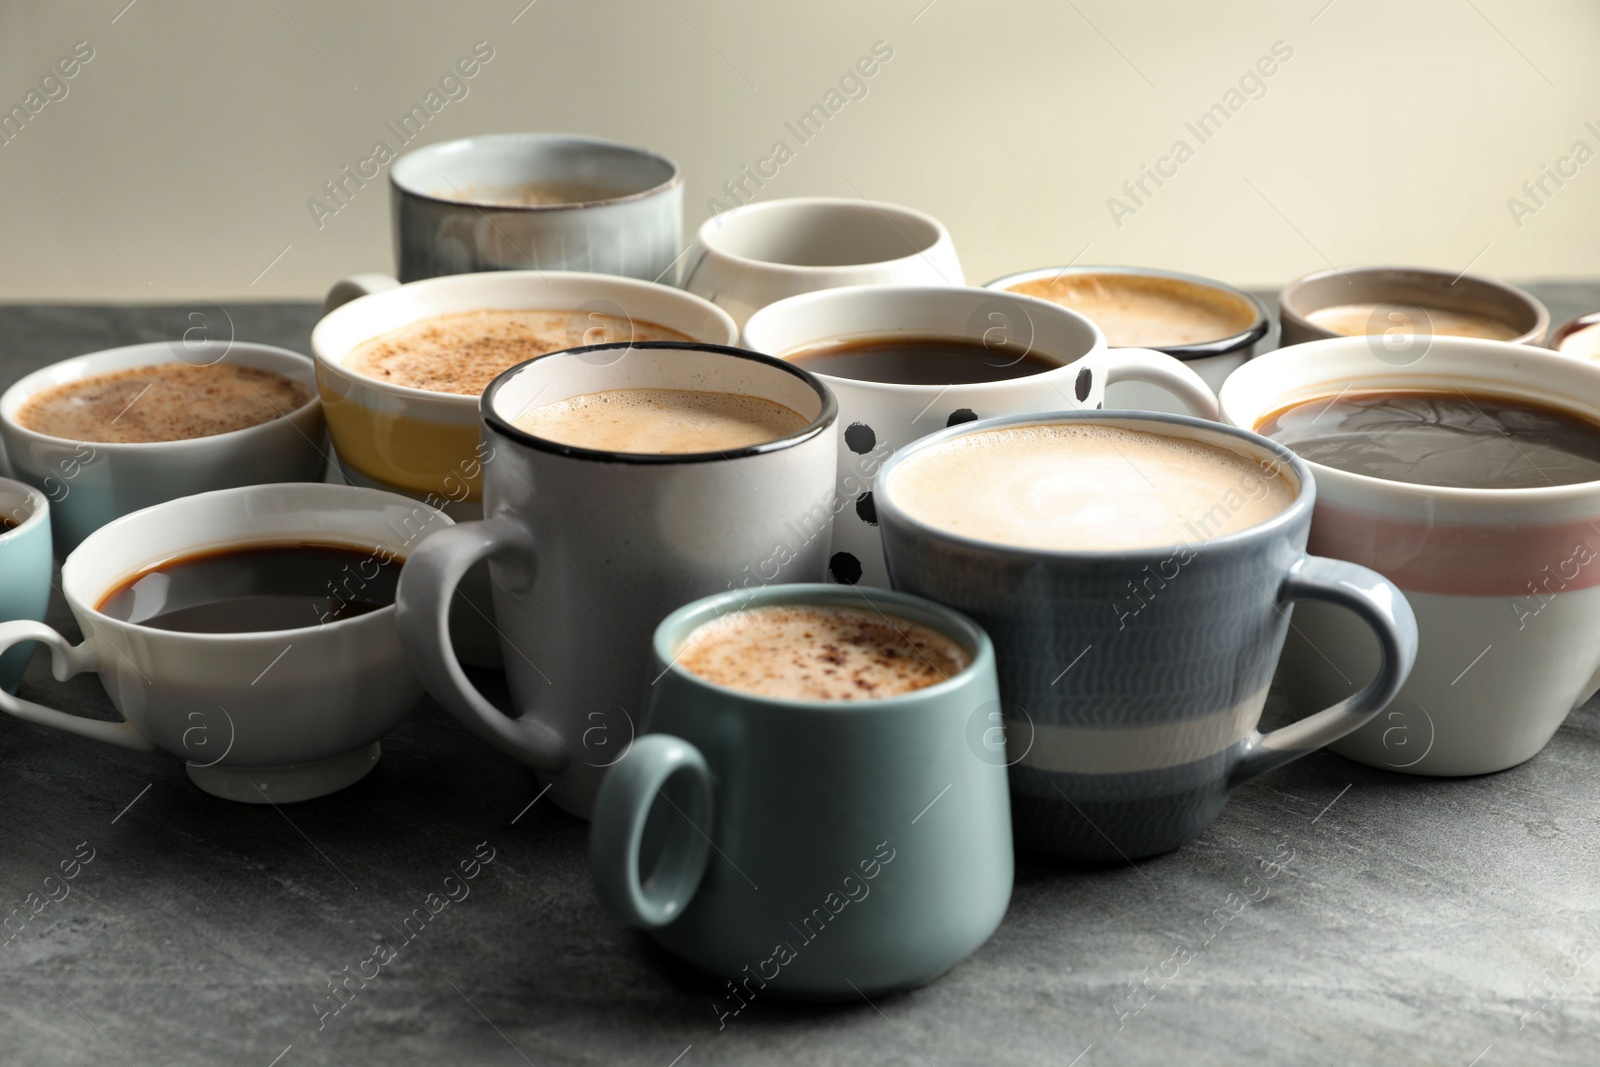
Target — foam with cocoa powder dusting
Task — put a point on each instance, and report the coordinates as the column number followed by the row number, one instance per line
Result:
column 163, row 402
column 806, row 652
column 463, row 352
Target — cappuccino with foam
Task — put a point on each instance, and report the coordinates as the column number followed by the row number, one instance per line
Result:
column 662, row 421
column 1081, row 486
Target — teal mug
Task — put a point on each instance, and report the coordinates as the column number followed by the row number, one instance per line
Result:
column 24, row 569
column 808, row 848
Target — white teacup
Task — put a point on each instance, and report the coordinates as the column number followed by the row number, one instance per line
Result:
column 756, row 254
column 275, row 716
column 1505, row 583
column 89, row 483
column 876, row 418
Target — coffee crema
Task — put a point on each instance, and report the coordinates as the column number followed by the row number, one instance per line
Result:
column 662, row 421
column 907, row 359
column 532, row 194
column 809, row 652
column 463, row 352
column 161, row 402
column 1076, row 486
column 1446, row 438
column 1145, row 311
column 253, row 588
column 1356, row 320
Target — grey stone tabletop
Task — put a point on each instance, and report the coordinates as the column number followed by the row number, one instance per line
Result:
column 1335, row 914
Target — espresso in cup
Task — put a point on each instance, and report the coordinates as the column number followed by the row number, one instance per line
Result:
column 820, row 652
column 1444, row 438
column 258, row 587
column 662, row 421
column 463, row 352
column 1080, row 486
column 1144, row 310
column 1355, row 320
column 910, row 359
column 163, row 402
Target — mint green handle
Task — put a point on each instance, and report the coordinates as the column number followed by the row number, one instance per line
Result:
column 661, row 787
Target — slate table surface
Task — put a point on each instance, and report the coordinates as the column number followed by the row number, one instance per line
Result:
column 1393, row 920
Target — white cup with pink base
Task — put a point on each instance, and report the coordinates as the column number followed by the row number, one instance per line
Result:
column 1505, row 582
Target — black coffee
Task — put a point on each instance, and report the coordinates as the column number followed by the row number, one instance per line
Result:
column 1457, row 439
column 256, row 588
column 911, row 360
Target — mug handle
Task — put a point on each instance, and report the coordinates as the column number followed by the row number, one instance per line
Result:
column 345, row 290
column 1384, row 608
column 1159, row 369
column 621, row 811
column 422, row 607
column 66, row 660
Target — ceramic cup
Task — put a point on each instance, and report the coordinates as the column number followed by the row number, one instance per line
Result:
column 24, row 569
column 875, row 418
column 808, row 848
column 1132, row 680
column 275, row 716
column 1507, row 604
column 1523, row 315
column 1242, row 322
column 756, row 254
column 1577, row 336
column 587, row 549
column 500, row 202
column 89, row 483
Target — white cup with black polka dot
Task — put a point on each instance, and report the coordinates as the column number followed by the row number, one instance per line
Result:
column 905, row 361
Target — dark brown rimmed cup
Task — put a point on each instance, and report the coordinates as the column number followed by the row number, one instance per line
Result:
column 1564, row 338
column 1520, row 311
column 1244, row 335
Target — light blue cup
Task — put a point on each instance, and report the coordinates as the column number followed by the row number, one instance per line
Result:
column 815, row 849
column 24, row 569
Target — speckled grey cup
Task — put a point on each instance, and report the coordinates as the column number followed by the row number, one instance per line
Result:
column 1131, row 681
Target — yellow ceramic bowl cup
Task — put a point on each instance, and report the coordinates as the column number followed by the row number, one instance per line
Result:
column 426, row 444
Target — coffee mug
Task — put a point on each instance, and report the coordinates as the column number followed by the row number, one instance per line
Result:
column 756, row 254
column 1406, row 305
column 272, row 716
column 875, row 418
column 588, row 549
column 24, row 569
column 859, row 848
column 1577, row 336
column 1232, row 325
column 89, row 483
column 1507, row 604
column 1132, row 680
column 530, row 201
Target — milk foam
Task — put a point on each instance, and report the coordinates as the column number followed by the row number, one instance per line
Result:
column 807, row 652
column 1074, row 486
column 661, row 421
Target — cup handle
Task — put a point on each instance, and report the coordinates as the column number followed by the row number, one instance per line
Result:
column 347, row 289
column 422, row 607
column 1160, row 369
column 1384, row 608
column 622, row 809
column 66, row 660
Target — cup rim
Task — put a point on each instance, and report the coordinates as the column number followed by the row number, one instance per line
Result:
column 1570, row 327
column 826, row 415
column 38, row 504
column 952, row 624
column 334, row 364
column 1296, row 511
column 711, row 226
column 981, row 295
column 1537, row 494
column 1288, row 309
column 303, row 490
column 459, row 144
column 1222, row 346
column 34, row 382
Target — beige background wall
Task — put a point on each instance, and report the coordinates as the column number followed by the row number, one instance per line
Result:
column 181, row 158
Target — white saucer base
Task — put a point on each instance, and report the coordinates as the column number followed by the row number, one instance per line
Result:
column 286, row 785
